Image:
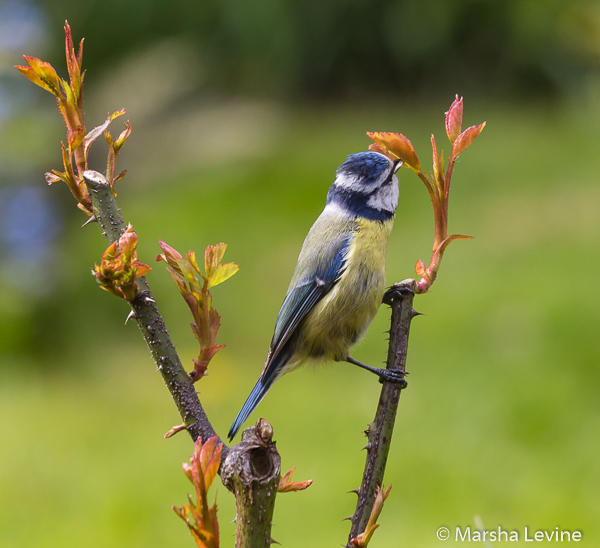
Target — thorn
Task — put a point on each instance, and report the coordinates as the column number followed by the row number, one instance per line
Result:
column 349, row 518
column 368, row 447
column 273, row 541
column 414, row 313
column 130, row 316
column 92, row 219
column 148, row 300
column 355, row 491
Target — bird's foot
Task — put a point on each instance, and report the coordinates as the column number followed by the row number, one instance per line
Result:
column 392, row 375
column 399, row 290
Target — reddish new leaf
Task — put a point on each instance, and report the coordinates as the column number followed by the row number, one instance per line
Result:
column 385, row 152
column 73, row 66
column 454, row 118
column 448, row 240
column 199, row 517
column 119, row 267
column 208, row 448
column 170, row 255
column 400, row 146
column 465, row 139
column 186, row 274
column 170, row 434
column 286, row 485
column 212, row 460
column 201, row 364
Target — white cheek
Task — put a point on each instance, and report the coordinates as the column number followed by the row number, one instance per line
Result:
column 349, row 183
column 386, row 198
column 336, row 210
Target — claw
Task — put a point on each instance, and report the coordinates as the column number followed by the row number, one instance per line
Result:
column 399, row 290
column 392, row 375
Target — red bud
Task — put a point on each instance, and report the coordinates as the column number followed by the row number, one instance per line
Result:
column 454, row 118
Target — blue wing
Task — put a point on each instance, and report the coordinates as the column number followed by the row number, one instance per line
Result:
column 311, row 286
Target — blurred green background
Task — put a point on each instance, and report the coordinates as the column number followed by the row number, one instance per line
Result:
column 241, row 113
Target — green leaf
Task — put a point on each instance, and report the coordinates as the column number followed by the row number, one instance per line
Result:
column 42, row 74
column 222, row 273
column 188, row 271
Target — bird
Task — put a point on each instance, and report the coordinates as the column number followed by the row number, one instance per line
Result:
column 339, row 280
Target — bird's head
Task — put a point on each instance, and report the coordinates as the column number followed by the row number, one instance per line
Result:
column 366, row 186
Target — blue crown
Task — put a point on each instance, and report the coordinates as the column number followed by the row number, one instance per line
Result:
column 366, row 165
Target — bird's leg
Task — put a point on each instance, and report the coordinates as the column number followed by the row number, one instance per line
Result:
column 390, row 375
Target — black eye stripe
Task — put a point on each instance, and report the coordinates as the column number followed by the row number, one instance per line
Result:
column 388, row 179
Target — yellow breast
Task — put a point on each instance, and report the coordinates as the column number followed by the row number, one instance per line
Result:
column 344, row 314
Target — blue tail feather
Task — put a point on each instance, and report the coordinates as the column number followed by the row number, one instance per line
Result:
column 255, row 397
column 272, row 373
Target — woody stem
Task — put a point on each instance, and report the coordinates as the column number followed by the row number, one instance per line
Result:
column 400, row 298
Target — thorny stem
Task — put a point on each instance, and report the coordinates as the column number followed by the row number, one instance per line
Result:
column 400, row 298
column 251, row 469
column 150, row 321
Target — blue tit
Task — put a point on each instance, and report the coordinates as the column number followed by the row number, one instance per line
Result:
column 338, row 283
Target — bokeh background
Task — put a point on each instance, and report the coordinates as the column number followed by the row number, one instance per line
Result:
column 241, row 112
